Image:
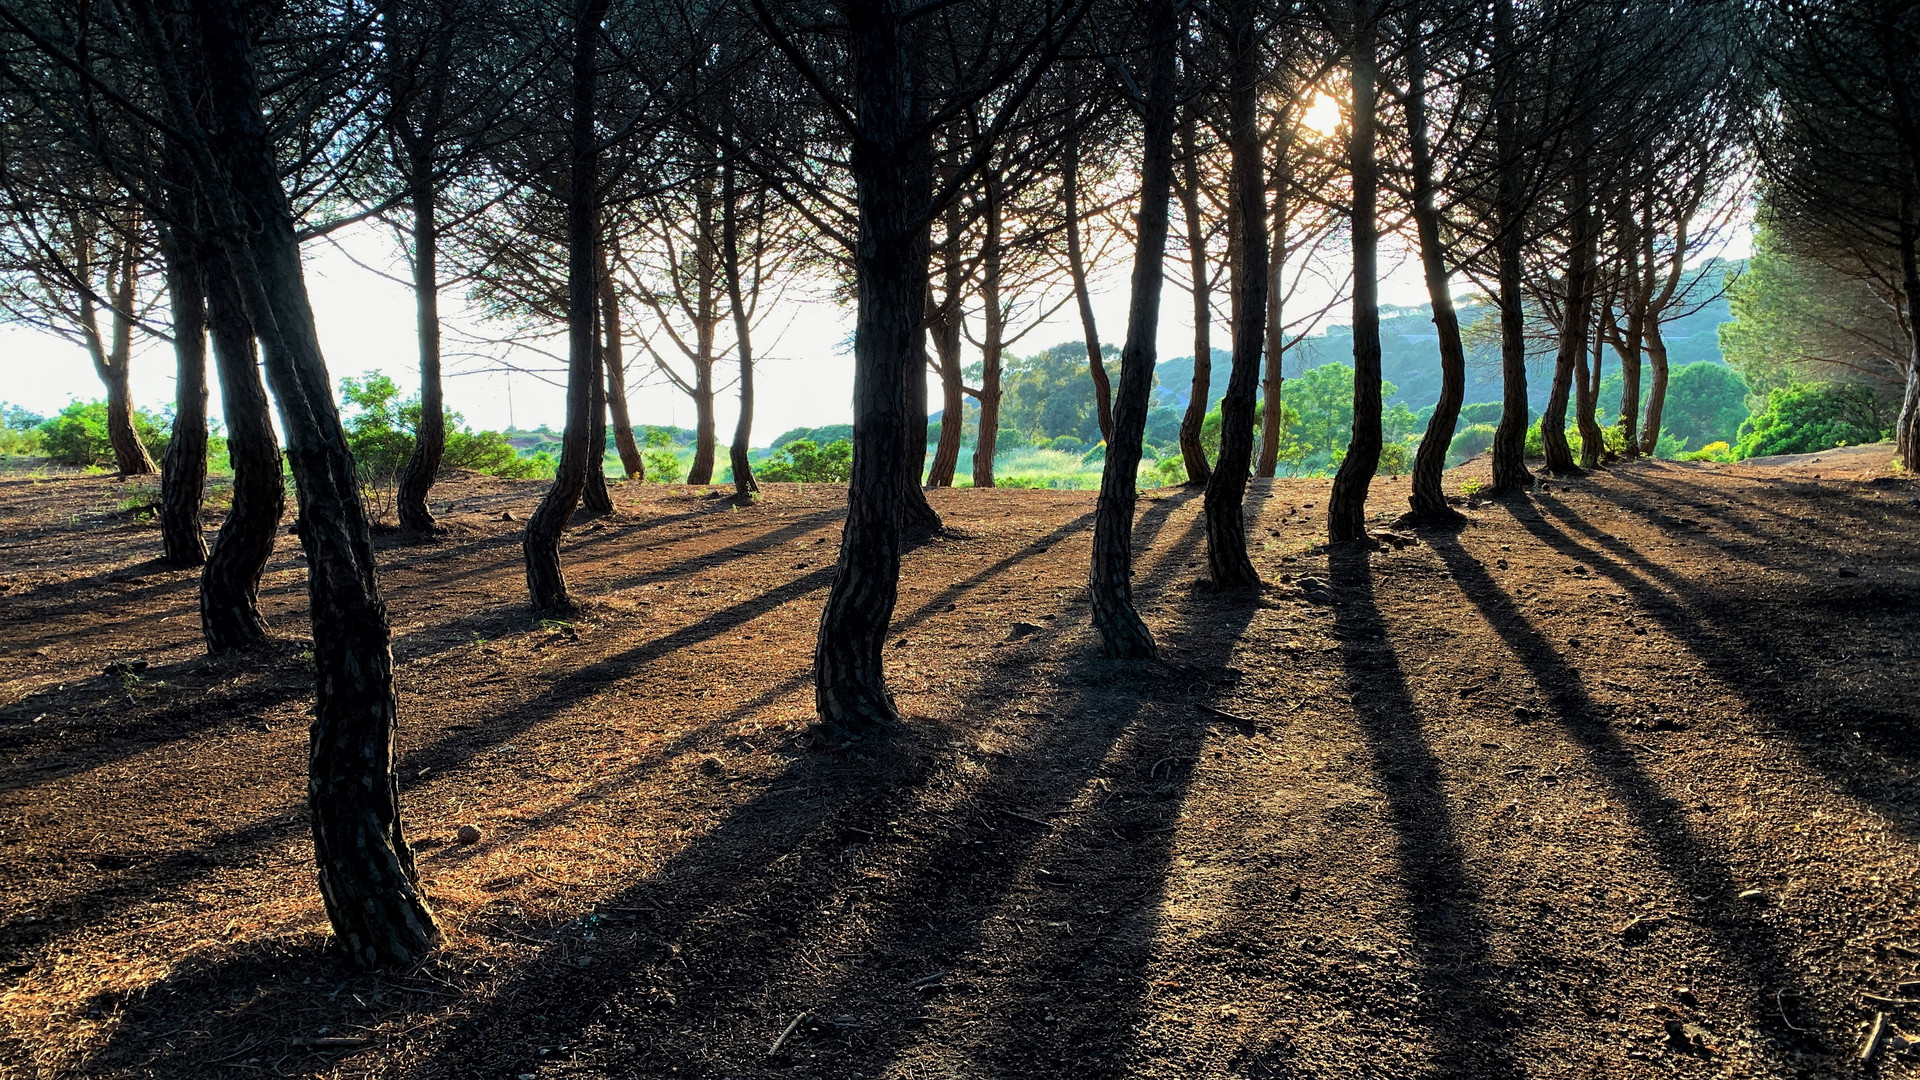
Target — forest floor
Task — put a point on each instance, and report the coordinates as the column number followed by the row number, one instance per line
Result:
column 1619, row 780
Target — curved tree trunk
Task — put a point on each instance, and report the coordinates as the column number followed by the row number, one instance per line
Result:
column 1192, row 454
column 111, row 358
column 230, row 584
column 1077, row 268
column 1110, row 576
column 944, row 327
column 1427, row 501
column 1570, row 361
column 183, row 483
column 430, row 438
column 1593, row 441
column 597, row 498
column 546, row 583
column 1628, row 348
column 743, row 482
column 1273, row 379
column 1510, row 436
column 1656, row 387
column 1227, row 488
column 986, row 443
column 893, row 181
column 367, row 876
column 1347, row 506
column 614, row 359
column 1906, row 431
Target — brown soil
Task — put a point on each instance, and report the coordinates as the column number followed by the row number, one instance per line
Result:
column 1620, row 780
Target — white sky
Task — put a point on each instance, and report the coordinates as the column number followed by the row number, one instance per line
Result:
column 366, row 322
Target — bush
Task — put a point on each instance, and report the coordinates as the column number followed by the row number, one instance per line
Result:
column 1713, row 451
column 1066, row 444
column 1808, row 417
column 19, row 431
column 78, row 436
column 804, row 461
column 1469, row 441
column 1170, row 471
column 1394, row 459
column 380, row 430
column 663, row 465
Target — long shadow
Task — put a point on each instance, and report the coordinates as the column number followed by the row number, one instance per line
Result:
column 1648, row 508
column 149, row 877
column 1743, row 939
column 1464, row 1005
column 748, row 906
column 1754, row 668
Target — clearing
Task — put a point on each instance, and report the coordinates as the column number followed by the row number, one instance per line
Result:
column 1619, row 780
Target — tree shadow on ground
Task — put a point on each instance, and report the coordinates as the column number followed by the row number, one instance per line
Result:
column 1739, row 934
column 834, row 888
column 1471, row 1020
column 1787, row 675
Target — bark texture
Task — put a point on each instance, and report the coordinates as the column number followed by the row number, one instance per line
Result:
column 1347, row 506
column 184, row 480
column 613, row 358
column 1083, row 299
column 1227, row 488
column 1110, row 576
column 367, row 879
column 546, row 583
column 1192, row 454
column 1273, row 377
column 892, row 181
column 1427, row 501
column 743, row 482
column 430, row 437
column 230, row 583
column 992, row 343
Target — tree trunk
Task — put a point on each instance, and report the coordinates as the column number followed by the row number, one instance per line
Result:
column 1347, row 506
column 111, row 359
column 1628, row 348
column 613, row 358
column 705, row 430
column 1427, row 501
column 1273, row 378
column 1077, row 267
column 367, row 877
column 595, row 496
column 1570, row 361
column 917, row 515
column 1110, row 576
column 1192, row 454
column 230, row 584
column 1510, row 436
column 985, row 444
column 1656, row 346
column 892, row 180
column 1593, row 441
column 1906, row 434
column 546, row 583
column 1227, row 488
column 183, row 482
column 945, row 330
column 744, row 484
column 430, row 438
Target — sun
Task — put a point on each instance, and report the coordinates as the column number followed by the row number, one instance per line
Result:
column 1323, row 115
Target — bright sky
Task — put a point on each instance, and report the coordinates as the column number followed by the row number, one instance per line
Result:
column 366, row 323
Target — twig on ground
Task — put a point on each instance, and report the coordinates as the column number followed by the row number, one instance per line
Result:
column 1878, row 1000
column 1874, row 1034
column 927, row 980
column 785, row 1035
column 1225, row 715
column 1779, row 1002
column 1025, row 817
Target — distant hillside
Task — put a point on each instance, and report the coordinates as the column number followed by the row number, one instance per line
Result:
column 1410, row 356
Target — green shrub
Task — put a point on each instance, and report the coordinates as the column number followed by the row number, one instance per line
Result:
column 78, row 435
column 1469, row 441
column 805, row 461
column 1713, row 451
column 663, row 465
column 1807, row 417
column 380, row 428
column 1394, row 458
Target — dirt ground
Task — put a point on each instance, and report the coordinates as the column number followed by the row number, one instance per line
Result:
column 1620, row 780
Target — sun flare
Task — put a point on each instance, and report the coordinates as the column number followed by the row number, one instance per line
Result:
column 1323, row 115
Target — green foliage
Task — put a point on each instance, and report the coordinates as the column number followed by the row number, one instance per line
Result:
column 1469, row 441
column 380, row 429
column 1800, row 319
column 1395, row 457
column 806, row 461
column 78, row 435
column 1480, row 412
column 1803, row 418
column 1713, row 451
column 1169, row 471
column 19, row 431
column 663, row 465
column 1705, row 402
column 819, row 436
